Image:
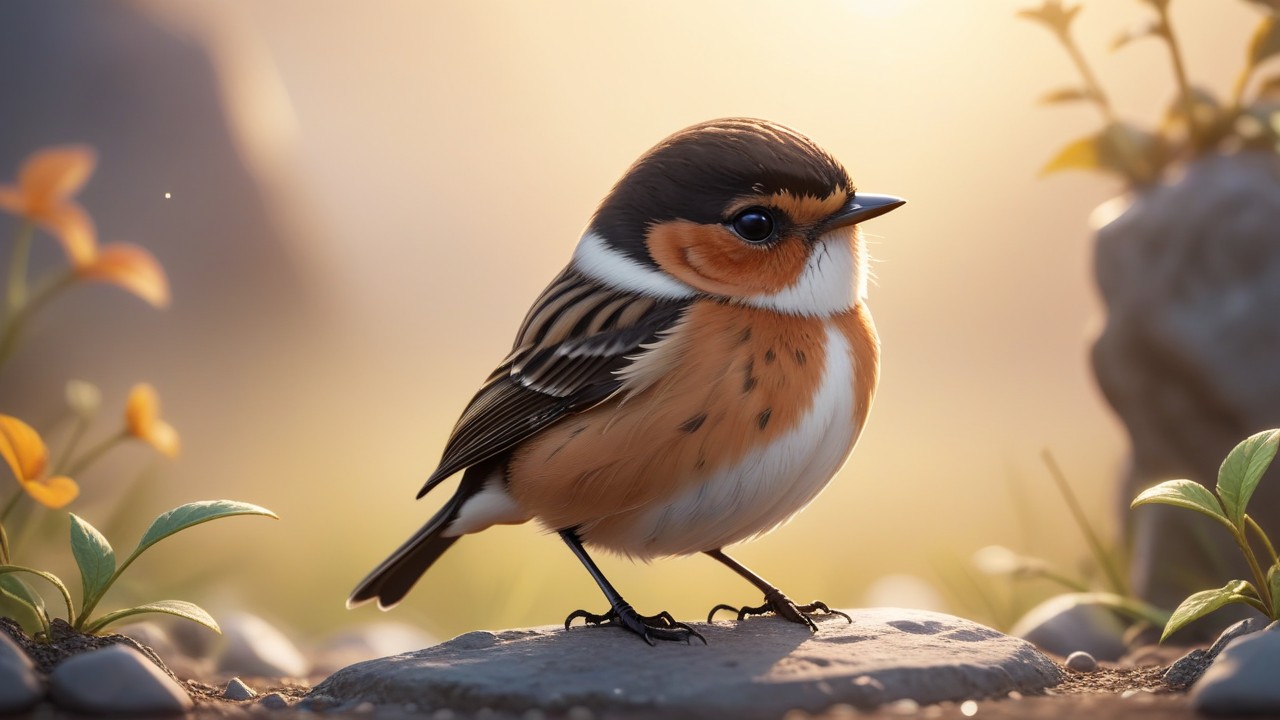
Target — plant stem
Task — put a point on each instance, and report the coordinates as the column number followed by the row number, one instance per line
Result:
column 77, row 433
column 1259, row 577
column 10, row 505
column 16, row 293
column 95, row 452
column 1180, row 72
column 13, row 328
column 4, row 546
column 1090, row 80
column 1266, row 541
column 1095, row 545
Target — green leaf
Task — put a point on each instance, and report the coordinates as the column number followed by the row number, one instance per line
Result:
column 1150, row 28
column 1066, row 95
column 178, row 608
column 1265, row 42
column 95, row 557
column 52, row 579
column 1205, row 602
column 1273, row 583
column 1242, row 470
column 191, row 514
column 15, row 590
column 1184, row 494
column 1121, row 148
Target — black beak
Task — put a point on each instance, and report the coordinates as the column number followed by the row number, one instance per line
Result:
column 861, row 207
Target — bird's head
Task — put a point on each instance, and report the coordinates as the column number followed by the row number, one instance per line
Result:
column 741, row 209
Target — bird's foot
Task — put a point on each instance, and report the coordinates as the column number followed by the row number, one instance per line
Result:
column 782, row 606
column 649, row 627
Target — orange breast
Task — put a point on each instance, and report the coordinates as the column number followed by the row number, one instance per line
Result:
column 726, row 379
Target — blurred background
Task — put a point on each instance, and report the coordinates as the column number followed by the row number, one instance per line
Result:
column 364, row 199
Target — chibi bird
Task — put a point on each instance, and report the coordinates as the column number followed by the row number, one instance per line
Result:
column 693, row 378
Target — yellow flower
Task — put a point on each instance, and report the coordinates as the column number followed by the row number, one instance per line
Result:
column 27, row 456
column 130, row 267
column 46, row 182
column 142, row 420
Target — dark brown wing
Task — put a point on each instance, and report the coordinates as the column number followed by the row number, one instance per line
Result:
column 565, row 359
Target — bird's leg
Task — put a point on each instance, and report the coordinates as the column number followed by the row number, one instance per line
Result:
column 652, row 627
column 774, row 600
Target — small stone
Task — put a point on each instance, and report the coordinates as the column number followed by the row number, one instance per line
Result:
column 1081, row 661
column 274, row 701
column 1242, row 680
column 1188, row 668
column 1062, row 625
column 20, row 686
column 237, row 690
column 254, row 646
column 115, row 680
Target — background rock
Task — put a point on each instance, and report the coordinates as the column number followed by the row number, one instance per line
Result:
column 1190, row 275
column 757, row 668
column 1062, row 625
column 253, row 646
column 368, row 642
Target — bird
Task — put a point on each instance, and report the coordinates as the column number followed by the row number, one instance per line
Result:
column 695, row 376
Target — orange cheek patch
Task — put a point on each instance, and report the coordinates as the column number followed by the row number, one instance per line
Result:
column 714, row 260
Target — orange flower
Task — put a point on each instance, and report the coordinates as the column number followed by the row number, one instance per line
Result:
column 130, row 267
column 142, row 420
column 46, row 182
column 27, row 456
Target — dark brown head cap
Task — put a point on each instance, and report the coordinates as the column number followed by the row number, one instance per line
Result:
column 696, row 173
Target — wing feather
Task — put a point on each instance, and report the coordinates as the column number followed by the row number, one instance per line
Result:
column 566, row 358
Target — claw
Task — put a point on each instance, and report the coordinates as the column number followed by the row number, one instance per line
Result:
column 651, row 627
column 783, row 607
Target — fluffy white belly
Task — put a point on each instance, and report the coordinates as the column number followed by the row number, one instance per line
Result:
column 765, row 488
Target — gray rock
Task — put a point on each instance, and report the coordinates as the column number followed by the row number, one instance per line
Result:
column 1187, row 669
column 20, row 686
column 1062, row 625
column 115, row 680
column 1242, row 681
column 761, row 667
column 237, row 690
column 1190, row 276
column 253, row 646
column 1081, row 661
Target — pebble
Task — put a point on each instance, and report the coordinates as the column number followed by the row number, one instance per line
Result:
column 1242, row 681
column 1062, row 625
column 20, row 686
column 1081, row 661
column 115, row 680
column 253, row 646
column 237, row 690
column 274, row 701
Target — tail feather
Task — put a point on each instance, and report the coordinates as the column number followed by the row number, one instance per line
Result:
column 392, row 580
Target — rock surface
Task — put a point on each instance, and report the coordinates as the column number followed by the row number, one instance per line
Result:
column 1063, row 625
column 20, row 686
column 115, row 680
column 1242, row 681
column 758, row 668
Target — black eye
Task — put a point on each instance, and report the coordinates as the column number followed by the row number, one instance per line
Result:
column 753, row 224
